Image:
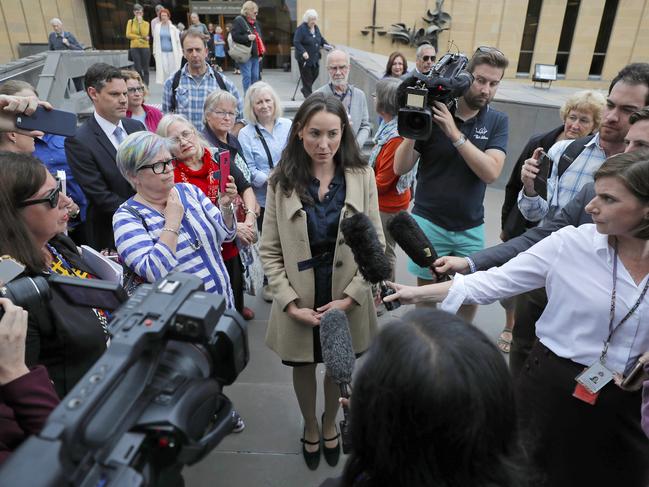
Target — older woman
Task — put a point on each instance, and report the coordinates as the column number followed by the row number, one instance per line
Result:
column 393, row 190
column 246, row 30
column 167, row 51
column 200, row 166
column 66, row 338
column 170, row 227
column 396, row 66
column 581, row 114
column 321, row 179
column 307, row 41
column 138, row 33
column 596, row 277
column 136, row 92
column 264, row 138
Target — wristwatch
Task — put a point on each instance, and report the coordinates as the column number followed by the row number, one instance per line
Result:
column 459, row 142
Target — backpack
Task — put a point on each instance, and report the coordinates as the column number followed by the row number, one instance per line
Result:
column 176, row 81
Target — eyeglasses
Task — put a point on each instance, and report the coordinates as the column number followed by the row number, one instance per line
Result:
column 135, row 89
column 338, row 68
column 488, row 49
column 51, row 199
column 184, row 135
column 221, row 114
column 428, row 58
column 159, row 167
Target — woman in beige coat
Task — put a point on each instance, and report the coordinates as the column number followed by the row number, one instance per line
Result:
column 320, row 180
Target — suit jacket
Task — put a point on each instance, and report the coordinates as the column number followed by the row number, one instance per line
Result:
column 91, row 156
column 574, row 213
column 285, row 242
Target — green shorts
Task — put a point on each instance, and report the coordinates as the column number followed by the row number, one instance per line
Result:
column 446, row 242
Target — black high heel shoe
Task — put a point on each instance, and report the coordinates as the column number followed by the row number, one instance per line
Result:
column 311, row 458
column 331, row 454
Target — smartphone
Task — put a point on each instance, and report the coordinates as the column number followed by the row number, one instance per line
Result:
column 224, row 163
column 57, row 122
column 9, row 269
column 541, row 180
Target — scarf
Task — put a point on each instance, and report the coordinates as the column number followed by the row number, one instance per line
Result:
column 261, row 48
column 387, row 132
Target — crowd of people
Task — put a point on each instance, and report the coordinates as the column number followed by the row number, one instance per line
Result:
column 215, row 177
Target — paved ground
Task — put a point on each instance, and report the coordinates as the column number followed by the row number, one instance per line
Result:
column 268, row 452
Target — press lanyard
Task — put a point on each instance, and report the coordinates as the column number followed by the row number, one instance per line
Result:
column 611, row 328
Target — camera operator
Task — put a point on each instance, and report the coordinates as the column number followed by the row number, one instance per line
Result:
column 26, row 396
column 465, row 152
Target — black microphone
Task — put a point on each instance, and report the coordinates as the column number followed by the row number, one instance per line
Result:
column 338, row 357
column 414, row 242
column 374, row 266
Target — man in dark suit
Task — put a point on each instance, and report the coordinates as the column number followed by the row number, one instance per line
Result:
column 91, row 152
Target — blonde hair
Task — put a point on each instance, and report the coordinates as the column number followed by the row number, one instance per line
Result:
column 252, row 94
column 585, row 101
column 215, row 98
column 248, row 7
column 131, row 74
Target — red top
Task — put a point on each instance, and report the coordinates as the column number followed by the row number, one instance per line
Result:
column 152, row 119
column 204, row 180
column 386, row 181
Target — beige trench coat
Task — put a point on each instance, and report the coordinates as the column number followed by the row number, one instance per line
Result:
column 285, row 242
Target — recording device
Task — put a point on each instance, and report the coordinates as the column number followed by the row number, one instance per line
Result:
column 338, row 357
column 361, row 236
column 416, row 95
column 53, row 121
column 414, row 242
column 152, row 403
column 541, row 180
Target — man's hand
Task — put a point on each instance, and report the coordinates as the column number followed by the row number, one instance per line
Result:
column 16, row 105
column 13, row 331
column 450, row 265
column 444, row 119
column 529, row 171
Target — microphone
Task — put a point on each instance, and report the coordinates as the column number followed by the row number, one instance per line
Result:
column 414, row 242
column 374, row 266
column 338, row 357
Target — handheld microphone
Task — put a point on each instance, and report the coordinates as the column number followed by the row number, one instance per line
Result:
column 338, row 357
column 414, row 242
column 374, row 266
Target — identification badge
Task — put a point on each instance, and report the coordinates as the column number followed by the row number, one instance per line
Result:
column 595, row 377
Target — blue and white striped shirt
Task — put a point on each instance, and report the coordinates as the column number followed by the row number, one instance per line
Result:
column 255, row 154
column 151, row 259
column 562, row 190
column 191, row 94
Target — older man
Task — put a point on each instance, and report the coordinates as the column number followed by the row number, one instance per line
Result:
column 424, row 60
column 59, row 40
column 338, row 66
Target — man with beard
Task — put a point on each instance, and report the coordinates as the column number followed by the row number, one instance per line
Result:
column 465, row 152
column 338, row 66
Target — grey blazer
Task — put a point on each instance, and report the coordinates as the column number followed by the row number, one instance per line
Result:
column 574, row 213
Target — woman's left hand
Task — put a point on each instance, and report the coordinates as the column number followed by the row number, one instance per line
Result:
column 230, row 192
column 341, row 304
column 246, row 233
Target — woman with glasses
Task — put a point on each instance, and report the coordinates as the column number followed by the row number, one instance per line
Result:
column 170, row 227
column 136, row 93
column 199, row 165
column 65, row 338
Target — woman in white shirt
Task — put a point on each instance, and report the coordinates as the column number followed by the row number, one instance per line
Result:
column 167, row 50
column 584, row 432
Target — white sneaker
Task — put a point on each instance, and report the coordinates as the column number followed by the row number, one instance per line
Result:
column 239, row 425
column 267, row 294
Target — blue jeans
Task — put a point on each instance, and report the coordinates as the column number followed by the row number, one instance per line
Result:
column 249, row 72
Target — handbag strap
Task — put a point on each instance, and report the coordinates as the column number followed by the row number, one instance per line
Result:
column 263, row 142
column 136, row 214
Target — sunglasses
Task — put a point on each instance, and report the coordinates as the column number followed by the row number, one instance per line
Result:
column 159, row 167
column 51, row 199
column 428, row 58
column 487, row 49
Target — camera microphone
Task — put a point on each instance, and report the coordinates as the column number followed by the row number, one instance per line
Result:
column 374, row 266
column 414, row 242
column 338, row 357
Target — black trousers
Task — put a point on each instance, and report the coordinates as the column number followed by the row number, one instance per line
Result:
column 141, row 58
column 529, row 307
column 571, row 443
column 308, row 75
column 235, row 272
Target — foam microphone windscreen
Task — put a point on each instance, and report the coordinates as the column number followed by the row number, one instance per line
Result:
column 411, row 238
column 361, row 236
column 336, row 342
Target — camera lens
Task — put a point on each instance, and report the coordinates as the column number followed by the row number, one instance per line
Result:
column 26, row 292
column 417, row 121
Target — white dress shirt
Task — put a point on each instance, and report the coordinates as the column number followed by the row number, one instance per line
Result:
column 109, row 129
column 576, row 267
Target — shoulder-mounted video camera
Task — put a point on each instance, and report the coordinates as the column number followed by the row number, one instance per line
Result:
column 153, row 402
column 447, row 81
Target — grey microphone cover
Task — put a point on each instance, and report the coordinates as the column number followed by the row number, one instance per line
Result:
column 336, row 341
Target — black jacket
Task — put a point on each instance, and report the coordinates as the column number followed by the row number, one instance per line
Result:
column 91, row 156
column 241, row 28
column 304, row 41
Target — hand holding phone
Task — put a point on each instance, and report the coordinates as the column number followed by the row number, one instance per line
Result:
column 224, row 163
column 57, row 122
column 541, row 180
